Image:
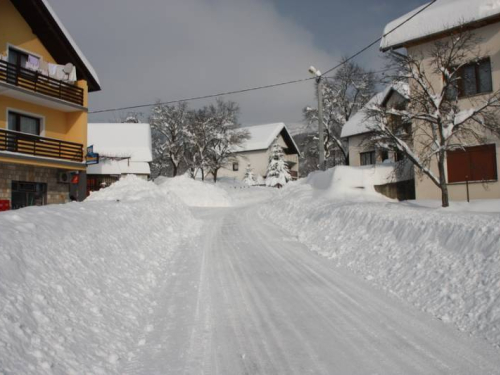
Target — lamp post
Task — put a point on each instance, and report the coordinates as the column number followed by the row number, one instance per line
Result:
column 321, row 131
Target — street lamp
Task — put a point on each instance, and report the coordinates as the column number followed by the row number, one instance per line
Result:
column 321, row 132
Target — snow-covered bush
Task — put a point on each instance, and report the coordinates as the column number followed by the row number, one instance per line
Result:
column 277, row 171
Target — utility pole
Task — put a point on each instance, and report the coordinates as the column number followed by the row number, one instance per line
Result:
column 321, row 130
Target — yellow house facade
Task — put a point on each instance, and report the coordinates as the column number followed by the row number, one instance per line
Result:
column 418, row 37
column 44, row 85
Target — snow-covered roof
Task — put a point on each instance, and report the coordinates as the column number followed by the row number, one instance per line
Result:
column 121, row 140
column 72, row 42
column 360, row 123
column 441, row 16
column 119, row 167
column 262, row 136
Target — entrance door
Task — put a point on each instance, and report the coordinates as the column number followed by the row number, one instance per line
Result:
column 26, row 194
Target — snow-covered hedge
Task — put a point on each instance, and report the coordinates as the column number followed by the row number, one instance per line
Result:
column 444, row 261
column 76, row 279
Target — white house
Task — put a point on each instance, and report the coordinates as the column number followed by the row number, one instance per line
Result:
column 255, row 151
column 123, row 148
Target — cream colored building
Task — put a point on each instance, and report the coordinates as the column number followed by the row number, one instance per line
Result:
column 255, row 152
column 418, row 37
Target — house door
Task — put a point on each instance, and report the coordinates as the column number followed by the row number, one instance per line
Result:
column 26, row 194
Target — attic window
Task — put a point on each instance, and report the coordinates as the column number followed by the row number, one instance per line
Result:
column 236, row 167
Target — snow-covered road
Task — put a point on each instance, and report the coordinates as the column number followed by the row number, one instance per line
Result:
column 250, row 299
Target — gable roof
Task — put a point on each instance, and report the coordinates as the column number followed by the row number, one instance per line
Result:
column 262, row 136
column 121, row 140
column 444, row 15
column 360, row 123
column 49, row 29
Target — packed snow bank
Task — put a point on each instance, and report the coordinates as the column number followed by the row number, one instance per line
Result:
column 353, row 182
column 78, row 280
column 194, row 193
column 444, row 261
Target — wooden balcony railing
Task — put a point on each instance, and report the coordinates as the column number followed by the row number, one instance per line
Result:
column 40, row 146
column 37, row 82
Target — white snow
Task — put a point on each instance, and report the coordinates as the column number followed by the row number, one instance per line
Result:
column 443, row 261
column 441, row 16
column 129, row 282
column 262, row 136
column 77, row 280
column 130, row 142
column 194, row 193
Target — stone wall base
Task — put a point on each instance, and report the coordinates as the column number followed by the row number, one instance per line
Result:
column 56, row 192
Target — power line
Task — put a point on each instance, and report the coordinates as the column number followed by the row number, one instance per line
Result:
column 271, row 85
column 379, row 39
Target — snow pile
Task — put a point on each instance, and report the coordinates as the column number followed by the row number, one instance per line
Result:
column 77, row 281
column 443, row 261
column 194, row 193
column 129, row 188
column 354, row 182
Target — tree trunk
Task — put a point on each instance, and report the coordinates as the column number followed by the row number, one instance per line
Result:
column 442, row 181
column 176, row 168
column 202, row 174
column 214, row 172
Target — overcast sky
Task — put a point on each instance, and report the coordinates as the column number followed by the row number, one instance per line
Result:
column 145, row 50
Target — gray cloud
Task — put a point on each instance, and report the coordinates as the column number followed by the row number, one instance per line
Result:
column 156, row 49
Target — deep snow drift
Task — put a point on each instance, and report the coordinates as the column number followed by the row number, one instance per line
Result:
column 77, row 280
column 443, row 261
column 195, row 193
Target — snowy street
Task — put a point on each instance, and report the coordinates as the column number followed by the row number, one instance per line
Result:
column 252, row 300
column 185, row 277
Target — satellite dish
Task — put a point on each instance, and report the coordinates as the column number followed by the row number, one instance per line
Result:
column 68, row 68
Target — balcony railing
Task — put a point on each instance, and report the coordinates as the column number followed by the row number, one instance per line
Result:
column 40, row 146
column 37, row 82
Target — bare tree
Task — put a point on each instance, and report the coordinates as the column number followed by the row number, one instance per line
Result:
column 343, row 95
column 437, row 81
column 213, row 137
column 227, row 135
column 169, row 125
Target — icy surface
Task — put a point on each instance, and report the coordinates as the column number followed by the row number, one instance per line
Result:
column 440, row 16
column 129, row 282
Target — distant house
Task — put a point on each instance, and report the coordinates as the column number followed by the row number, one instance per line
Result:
column 362, row 152
column 478, row 161
column 123, row 148
column 255, row 151
column 357, row 130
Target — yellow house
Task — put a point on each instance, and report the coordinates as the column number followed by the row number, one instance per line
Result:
column 474, row 170
column 44, row 85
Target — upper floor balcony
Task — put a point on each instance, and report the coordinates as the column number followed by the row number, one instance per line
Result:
column 41, row 147
column 28, row 85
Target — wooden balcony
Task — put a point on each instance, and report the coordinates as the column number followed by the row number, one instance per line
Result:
column 29, row 144
column 36, row 82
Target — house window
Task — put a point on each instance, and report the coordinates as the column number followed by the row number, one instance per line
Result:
column 367, row 158
column 236, row 167
column 474, row 78
column 26, row 194
column 24, row 124
column 478, row 163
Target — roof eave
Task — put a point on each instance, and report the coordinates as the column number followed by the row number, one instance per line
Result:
column 50, row 33
column 441, row 34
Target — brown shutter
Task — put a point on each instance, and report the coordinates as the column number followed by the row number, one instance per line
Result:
column 476, row 163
